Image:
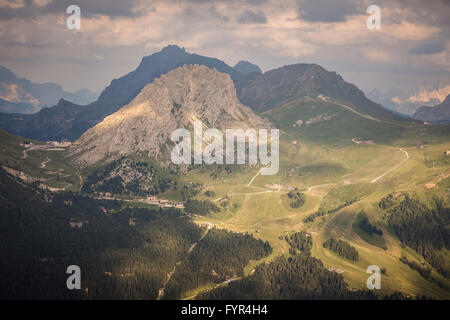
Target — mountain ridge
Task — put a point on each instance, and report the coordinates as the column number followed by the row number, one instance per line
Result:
column 173, row 101
column 404, row 101
column 20, row 95
column 267, row 90
column 120, row 92
column 247, row 67
column 437, row 114
column 260, row 91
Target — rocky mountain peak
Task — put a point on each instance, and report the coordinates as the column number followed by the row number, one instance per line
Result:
column 175, row 100
column 246, row 67
column 172, row 48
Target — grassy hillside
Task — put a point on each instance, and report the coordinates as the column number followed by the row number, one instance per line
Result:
column 342, row 159
column 269, row 90
column 348, row 156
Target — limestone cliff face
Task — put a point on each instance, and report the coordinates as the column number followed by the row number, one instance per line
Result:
column 175, row 100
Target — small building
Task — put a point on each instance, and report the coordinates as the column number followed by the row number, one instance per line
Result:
column 179, row 205
column 208, row 225
column 78, row 224
column 153, row 200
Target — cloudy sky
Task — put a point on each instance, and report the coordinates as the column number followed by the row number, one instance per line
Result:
column 411, row 50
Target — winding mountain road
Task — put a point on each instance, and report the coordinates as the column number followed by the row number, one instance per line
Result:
column 218, row 285
column 257, row 174
column 352, row 110
column 393, row 168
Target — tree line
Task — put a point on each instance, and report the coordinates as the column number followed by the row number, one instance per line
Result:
column 342, row 248
column 422, row 228
column 201, row 207
column 219, row 256
column 294, row 278
column 300, row 241
column 369, row 228
column 297, row 199
column 322, row 212
column 424, row 271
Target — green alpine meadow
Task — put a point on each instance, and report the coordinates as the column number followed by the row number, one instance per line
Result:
column 352, row 115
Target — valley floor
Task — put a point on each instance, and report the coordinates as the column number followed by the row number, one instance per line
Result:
column 266, row 214
column 328, row 176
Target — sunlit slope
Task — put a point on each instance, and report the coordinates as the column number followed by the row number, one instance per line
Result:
column 398, row 276
column 269, row 90
column 335, row 155
column 331, row 122
column 341, row 155
column 267, row 215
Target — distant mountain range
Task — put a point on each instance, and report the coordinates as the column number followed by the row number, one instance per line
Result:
column 260, row 91
column 18, row 95
column 55, row 124
column 408, row 101
column 437, row 114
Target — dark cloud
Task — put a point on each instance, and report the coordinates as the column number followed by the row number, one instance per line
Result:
column 192, row 16
column 427, row 48
column 45, row 50
column 122, row 8
column 249, row 16
column 326, row 10
column 430, row 12
column 250, row 2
